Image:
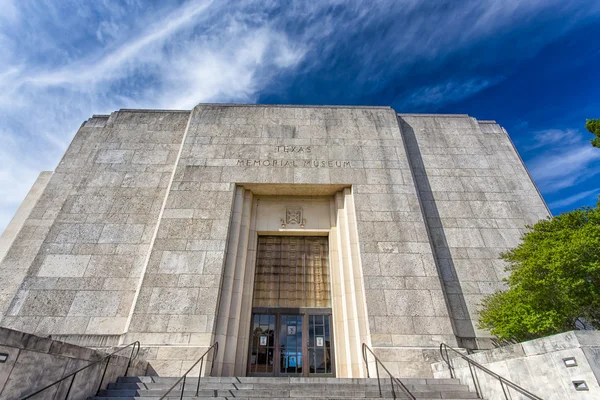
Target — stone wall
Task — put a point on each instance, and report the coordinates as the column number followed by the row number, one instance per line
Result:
column 34, row 362
column 477, row 197
column 29, row 241
column 129, row 239
column 95, row 221
column 358, row 147
column 537, row 366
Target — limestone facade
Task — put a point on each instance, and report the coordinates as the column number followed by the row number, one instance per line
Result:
column 147, row 229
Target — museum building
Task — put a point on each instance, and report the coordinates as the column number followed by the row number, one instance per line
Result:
column 290, row 235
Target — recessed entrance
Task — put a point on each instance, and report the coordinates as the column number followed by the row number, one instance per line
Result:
column 291, row 330
column 278, row 263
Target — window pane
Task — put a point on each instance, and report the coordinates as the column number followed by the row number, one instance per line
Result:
column 292, row 271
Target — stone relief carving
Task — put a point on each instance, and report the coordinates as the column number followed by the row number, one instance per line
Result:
column 293, row 215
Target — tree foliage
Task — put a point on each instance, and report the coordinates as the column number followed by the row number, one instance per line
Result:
column 593, row 126
column 554, row 281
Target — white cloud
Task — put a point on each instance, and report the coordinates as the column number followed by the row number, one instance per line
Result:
column 60, row 63
column 573, row 199
column 549, row 137
column 447, row 92
column 563, row 159
column 9, row 12
column 195, row 53
column 112, row 64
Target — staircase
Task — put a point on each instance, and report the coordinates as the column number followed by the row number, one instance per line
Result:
column 153, row 387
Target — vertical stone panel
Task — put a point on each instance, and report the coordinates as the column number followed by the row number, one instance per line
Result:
column 477, row 198
column 100, row 208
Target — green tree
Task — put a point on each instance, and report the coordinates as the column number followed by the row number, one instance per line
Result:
column 593, row 126
column 554, row 280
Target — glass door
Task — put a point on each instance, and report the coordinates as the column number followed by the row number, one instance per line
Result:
column 262, row 345
column 292, row 342
column 290, row 352
column 319, row 345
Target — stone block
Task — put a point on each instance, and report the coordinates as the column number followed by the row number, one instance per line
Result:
column 501, row 237
column 106, row 325
column 464, row 237
column 62, row 325
column 141, row 180
column 376, row 304
column 54, row 303
column 92, row 203
column 149, row 323
column 409, row 303
column 114, row 156
column 150, row 157
column 187, row 323
column 105, row 179
column 396, row 264
column 110, row 266
column 182, row 262
column 203, row 280
column 121, row 233
column 64, row 265
column 394, row 325
column 180, row 301
column 95, row 303
column 432, row 325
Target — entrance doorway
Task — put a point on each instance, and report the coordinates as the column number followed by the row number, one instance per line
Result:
column 291, row 332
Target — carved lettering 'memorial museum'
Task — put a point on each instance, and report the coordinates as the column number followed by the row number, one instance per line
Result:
column 290, row 235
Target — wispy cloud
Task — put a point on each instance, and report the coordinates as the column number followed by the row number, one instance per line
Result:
column 563, row 159
column 574, row 199
column 551, row 137
column 110, row 65
column 189, row 54
column 434, row 96
column 63, row 61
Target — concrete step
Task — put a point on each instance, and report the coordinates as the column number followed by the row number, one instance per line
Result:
column 261, row 386
column 285, row 380
column 282, row 393
column 273, row 398
column 253, row 388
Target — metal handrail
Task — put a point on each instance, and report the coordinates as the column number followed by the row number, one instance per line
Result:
column 214, row 346
column 392, row 377
column 135, row 347
column 503, row 381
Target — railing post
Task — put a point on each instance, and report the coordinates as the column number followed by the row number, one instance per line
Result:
column 182, row 388
column 378, row 382
column 103, row 374
column 199, row 375
column 503, row 389
column 450, row 366
column 393, row 390
column 131, row 357
column 70, row 386
column 475, row 385
column 364, row 351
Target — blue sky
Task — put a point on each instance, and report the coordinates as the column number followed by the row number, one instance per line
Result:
column 534, row 66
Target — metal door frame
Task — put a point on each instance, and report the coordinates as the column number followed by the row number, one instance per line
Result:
column 304, row 312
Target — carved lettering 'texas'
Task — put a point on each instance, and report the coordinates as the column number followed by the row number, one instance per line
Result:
column 294, row 149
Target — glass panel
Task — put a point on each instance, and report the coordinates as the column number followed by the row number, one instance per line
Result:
column 292, row 271
column 290, row 344
column 263, row 331
column 317, row 272
column 319, row 344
